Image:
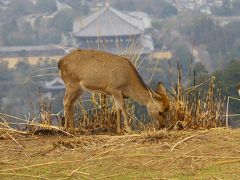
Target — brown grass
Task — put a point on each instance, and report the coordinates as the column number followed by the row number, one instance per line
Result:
column 149, row 155
column 197, row 107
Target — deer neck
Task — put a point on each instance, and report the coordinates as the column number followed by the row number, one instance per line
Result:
column 141, row 94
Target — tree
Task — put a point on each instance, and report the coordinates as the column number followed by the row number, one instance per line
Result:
column 49, row 35
column 19, row 8
column 230, row 77
column 228, row 8
column 25, row 35
column 78, row 7
column 7, row 29
column 63, row 21
column 220, row 42
column 200, row 69
column 5, row 72
column 231, row 33
column 46, row 6
column 201, row 74
column 157, row 8
column 183, row 54
column 157, row 25
column 161, row 9
column 236, row 7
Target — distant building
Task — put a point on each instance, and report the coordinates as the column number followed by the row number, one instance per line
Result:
column 162, row 55
column 52, row 88
column 113, row 31
column 32, row 54
column 26, row 51
column 62, row 6
column 206, row 10
column 56, row 84
column 219, row 3
column 4, row 4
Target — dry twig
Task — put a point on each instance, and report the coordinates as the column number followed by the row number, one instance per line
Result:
column 185, row 139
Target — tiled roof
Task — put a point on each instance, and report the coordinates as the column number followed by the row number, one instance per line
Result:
column 142, row 45
column 56, row 83
column 108, row 22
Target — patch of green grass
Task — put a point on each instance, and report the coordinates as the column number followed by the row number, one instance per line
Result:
column 215, row 171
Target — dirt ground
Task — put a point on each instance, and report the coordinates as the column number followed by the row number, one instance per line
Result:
column 206, row 154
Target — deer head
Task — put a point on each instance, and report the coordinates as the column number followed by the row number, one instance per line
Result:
column 158, row 104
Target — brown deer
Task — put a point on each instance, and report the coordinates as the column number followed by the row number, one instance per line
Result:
column 110, row 74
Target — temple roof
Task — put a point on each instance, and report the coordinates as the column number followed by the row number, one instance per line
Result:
column 108, row 22
column 142, row 45
column 55, row 84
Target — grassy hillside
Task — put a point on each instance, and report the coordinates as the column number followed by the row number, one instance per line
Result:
column 206, row 154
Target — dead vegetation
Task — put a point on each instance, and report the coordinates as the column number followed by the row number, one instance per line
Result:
column 198, row 107
column 150, row 155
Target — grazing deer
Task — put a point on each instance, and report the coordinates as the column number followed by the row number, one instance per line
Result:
column 110, row 74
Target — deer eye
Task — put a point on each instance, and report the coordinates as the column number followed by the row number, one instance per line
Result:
column 160, row 113
column 159, row 98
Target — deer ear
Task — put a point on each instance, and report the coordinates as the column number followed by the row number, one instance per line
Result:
column 161, row 89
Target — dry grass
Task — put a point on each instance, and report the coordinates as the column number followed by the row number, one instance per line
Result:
column 197, row 107
column 149, row 155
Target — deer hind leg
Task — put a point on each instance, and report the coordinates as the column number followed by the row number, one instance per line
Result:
column 119, row 101
column 118, row 121
column 71, row 95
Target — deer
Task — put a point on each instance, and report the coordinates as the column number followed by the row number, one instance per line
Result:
column 101, row 72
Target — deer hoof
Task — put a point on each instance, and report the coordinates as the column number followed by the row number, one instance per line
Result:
column 129, row 130
column 119, row 131
column 71, row 130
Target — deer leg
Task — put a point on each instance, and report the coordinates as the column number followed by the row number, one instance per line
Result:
column 118, row 118
column 119, row 101
column 118, row 121
column 71, row 95
column 77, row 95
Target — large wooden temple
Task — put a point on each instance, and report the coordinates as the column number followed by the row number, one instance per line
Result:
column 113, row 31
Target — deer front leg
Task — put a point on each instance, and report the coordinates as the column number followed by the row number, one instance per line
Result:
column 71, row 95
column 126, row 120
column 119, row 101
